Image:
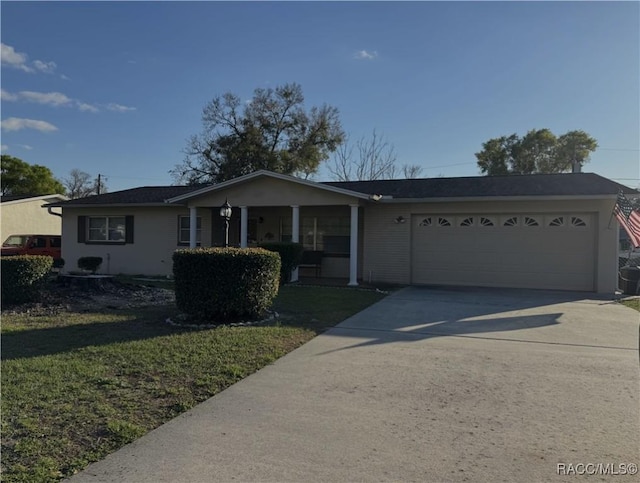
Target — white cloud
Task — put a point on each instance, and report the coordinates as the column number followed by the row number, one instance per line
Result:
column 17, row 124
column 55, row 99
column 46, row 67
column 64, row 77
column 7, row 96
column 10, row 57
column 119, row 107
column 26, row 146
column 365, row 55
column 48, row 98
column 19, row 60
column 4, row 147
column 83, row 106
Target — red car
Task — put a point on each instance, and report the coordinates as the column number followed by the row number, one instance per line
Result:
column 33, row 245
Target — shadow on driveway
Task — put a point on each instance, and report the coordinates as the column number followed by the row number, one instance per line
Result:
column 419, row 313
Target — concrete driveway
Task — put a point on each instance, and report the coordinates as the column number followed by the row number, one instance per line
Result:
column 427, row 385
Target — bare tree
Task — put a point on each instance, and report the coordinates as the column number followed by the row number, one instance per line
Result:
column 80, row 184
column 411, row 171
column 375, row 158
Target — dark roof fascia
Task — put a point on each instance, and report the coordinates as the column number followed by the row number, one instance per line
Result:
column 498, row 198
column 108, row 205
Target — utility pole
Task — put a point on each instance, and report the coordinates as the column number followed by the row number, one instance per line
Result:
column 99, row 183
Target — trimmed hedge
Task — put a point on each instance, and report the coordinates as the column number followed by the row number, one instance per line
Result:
column 290, row 257
column 225, row 284
column 23, row 276
column 89, row 263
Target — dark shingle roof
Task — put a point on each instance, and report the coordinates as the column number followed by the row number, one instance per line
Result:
column 7, row 198
column 566, row 184
column 143, row 195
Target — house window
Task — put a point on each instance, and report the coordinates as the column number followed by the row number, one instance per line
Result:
column 330, row 234
column 106, row 229
column 185, row 230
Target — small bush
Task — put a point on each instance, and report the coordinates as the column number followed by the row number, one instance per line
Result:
column 225, row 284
column 58, row 263
column 89, row 263
column 23, row 276
column 290, row 257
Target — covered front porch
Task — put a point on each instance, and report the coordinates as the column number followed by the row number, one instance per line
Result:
column 267, row 207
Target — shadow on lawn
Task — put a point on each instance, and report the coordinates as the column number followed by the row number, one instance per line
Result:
column 137, row 325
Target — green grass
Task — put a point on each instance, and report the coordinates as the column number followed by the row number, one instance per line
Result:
column 633, row 303
column 77, row 386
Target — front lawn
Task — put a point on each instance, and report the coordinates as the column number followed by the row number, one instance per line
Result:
column 79, row 385
column 633, row 303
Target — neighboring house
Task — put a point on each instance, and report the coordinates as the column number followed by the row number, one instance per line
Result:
column 25, row 215
column 529, row 231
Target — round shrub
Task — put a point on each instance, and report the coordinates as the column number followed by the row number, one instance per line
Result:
column 58, row 263
column 23, row 276
column 225, row 284
column 290, row 257
column 89, row 263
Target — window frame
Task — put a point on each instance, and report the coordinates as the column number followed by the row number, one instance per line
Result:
column 181, row 242
column 83, row 230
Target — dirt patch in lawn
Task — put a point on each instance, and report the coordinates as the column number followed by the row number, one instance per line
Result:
column 109, row 294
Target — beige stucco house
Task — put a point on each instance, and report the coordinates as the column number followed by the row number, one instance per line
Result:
column 530, row 231
column 25, row 215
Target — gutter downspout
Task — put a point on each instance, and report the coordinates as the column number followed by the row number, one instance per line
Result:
column 49, row 208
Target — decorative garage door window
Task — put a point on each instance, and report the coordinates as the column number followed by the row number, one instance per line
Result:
column 512, row 221
column 467, row 221
column 578, row 222
column 530, row 221
column 567, row 221
column 435, row 221
column 480, row 220
column 484, row 221
column 557, row 221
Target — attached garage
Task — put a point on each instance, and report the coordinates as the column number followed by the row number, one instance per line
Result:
column 523, row 250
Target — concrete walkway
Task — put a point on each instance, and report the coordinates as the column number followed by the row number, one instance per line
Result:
column 427, row 385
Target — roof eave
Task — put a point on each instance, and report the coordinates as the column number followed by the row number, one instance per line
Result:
column 105, row 205
column 451, row 199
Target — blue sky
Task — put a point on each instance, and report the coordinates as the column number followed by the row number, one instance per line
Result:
column 117, row 88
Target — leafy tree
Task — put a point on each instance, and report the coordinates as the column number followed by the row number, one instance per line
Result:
column 538, row 151
column 272, row 131
column 21, row 178
column 80, row 184
column 375, row 159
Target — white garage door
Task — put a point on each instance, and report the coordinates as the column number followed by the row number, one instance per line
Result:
column 528, row 250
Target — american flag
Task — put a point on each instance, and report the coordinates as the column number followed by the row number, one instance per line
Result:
column 629, row 218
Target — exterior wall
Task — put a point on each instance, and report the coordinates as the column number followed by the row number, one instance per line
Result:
column 155, row 240
column 28, row 217
column 387, row 245
column 272, row 192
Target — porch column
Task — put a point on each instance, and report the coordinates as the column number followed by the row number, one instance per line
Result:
column 244, row 222
column 353, row 250
column 295, row 234
column 193, row 225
